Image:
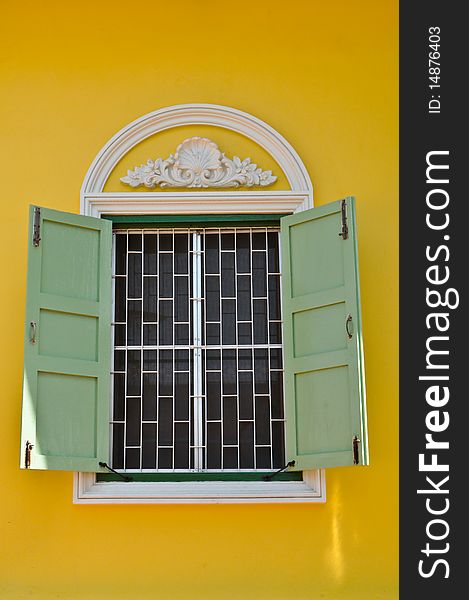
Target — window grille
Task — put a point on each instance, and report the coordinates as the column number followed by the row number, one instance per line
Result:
column 198, row 366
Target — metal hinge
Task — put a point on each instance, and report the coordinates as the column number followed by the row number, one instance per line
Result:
column 356, row 456
column 27, row 455
column 344, row 232
column 37, row 226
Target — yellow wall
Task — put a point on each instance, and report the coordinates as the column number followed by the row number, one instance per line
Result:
column 324, row 74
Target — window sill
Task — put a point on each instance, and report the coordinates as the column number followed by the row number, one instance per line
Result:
column 86, row 490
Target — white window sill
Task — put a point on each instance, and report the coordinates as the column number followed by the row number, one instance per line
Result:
column 86, row 490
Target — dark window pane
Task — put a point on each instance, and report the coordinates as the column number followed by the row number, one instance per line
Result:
column 182, row 360
column 118, row 446
column 135, row 241
column 245, row 395
column 166, row 275
column 227, row 241
column 118, row 396
column 263, row 458
column 149, row 360
column 211, row 254
column 133, row 372
column 273, row 252
column 181, row 255
column 245, row 359
column 181, row 304
column 212, row 295
column 230, row 420
column 149, row 446
column 132, row 458
column 262, row 420
column 165, row 458
column 244, row 297
column 213, row 360
column 166, row 373
column 166, row 241
column 275, row 333
column 229, row 372
column 259, row 275
column 181, row 333
column 149, row 397
column 261, row 371
column 150, row 299
column 165, row 422
column 213, row 334
column 278, row 445
column 134, row 322
column 150, row 263
column 132, row 422
column 228, row 321
column 181, row 396
column 166, row 322
column 276, row 394
column 246, row 445
column 227, row 275
column 213, row 445
column 181, row 446
column 134, row 276
column 274, row 297
column 243, row 253
column 119, row 335
column 213, row 396
column 260, row 321
column 150, row 335
column 119, row 360
column 276, row 358
column 120, row 299
column 258, row 240
column 230, row 458
column 244, row 334
column 121, row 254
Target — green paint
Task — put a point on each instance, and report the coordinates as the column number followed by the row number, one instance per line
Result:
column 66, row 379
column 324, row 373
column 292, row 476
column 193, row 221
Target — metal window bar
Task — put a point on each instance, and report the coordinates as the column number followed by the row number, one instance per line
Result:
column 236, row 440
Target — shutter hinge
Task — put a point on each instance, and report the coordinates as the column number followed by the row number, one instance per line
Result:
column 356, row 456
column 27, row 454
column 344, row 232
column 37, row 226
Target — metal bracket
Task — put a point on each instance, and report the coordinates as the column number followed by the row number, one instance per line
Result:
column 356, row 455
column 349, row 326
column 37, row 226
column 344, row 232
column 27, row 454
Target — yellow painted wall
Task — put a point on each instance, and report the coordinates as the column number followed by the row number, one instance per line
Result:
column 324, row 74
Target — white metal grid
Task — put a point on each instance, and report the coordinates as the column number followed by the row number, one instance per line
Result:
column 129, row 449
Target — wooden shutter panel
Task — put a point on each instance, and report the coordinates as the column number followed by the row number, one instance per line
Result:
column 67, row 342
column 324, row 372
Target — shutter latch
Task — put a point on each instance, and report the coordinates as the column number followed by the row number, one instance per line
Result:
column 37, row 226
column 272, row 475
column 106, row 466
column 356, row 456
column 344, row 232
column 27, row 454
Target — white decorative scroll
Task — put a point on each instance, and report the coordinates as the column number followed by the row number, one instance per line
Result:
column 197, row 163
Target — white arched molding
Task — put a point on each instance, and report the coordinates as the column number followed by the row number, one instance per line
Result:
column 95, row 202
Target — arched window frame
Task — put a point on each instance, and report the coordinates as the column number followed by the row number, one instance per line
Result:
column 95, row 202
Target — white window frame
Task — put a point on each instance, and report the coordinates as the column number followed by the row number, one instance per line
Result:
column 95, row 202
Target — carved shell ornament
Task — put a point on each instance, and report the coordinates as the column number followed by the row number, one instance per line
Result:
column 198, row 163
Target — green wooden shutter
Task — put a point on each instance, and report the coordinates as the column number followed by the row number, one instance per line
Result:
column 67, row 342
column 324, row 373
